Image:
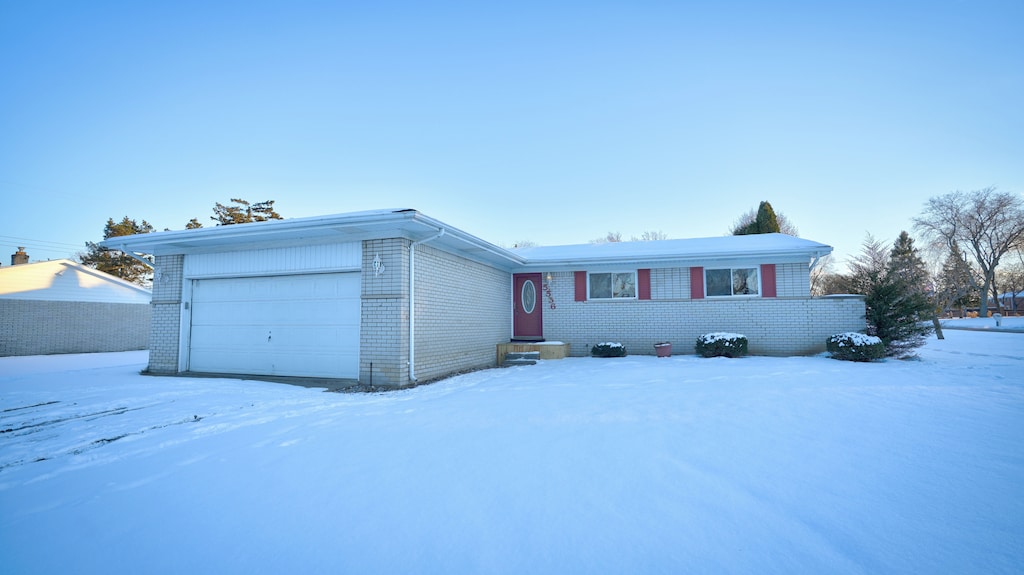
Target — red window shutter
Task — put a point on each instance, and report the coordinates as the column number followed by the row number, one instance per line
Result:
column 643, row 280
column 696, row 283
column 581, row 285
column 768, row 280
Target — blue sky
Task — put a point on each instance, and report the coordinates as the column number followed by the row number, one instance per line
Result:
column 552, row 122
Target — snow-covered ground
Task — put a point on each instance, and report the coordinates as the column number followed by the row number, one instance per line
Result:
column 624, row 465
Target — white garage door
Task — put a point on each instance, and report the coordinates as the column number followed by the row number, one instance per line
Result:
column 299, row 325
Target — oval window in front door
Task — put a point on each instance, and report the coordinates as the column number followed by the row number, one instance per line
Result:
column 529, row 296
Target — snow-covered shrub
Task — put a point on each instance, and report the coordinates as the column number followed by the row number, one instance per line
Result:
column 853, row 346
column 721, row 344
column 608, row 349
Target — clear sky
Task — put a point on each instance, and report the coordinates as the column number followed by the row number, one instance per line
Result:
column 554, row 122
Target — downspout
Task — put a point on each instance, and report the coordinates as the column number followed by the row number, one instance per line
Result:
column 816, row 260
column 136, row 258
column 412, row 302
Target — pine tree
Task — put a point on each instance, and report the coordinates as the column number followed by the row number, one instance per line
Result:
column 244, row 212
column 914, row 307
column 193, row 224
column 956, row 284
column 764, row 222
column 115, row 262
column 895, row 303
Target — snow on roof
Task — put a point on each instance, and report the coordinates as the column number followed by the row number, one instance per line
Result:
column 415, row 226
column 65, row 280
column 722, row 247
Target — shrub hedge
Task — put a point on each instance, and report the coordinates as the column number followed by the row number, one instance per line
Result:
column 721, row 345
column 852, row 346
column 608, row 349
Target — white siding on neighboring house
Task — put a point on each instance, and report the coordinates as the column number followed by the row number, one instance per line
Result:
column 65, row 280
column 61, row 306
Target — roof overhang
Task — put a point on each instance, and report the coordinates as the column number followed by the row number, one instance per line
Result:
column 351, row 227
column 723, row 251
column 414, row 226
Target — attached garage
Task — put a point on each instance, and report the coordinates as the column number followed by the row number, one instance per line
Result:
column 293, row 325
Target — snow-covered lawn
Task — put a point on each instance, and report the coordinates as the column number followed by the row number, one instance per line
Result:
column 627, row 465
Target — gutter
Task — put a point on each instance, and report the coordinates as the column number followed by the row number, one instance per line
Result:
column 467, row 238
column 412, row 301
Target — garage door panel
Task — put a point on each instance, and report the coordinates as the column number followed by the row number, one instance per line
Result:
column 306, row 325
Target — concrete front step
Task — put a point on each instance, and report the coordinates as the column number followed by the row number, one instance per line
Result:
column 515, row 362
column 546, row 349
column 522, row 355
column 521, row 358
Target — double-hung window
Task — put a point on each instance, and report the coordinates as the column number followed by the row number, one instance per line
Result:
column 732, row 282
column 615, row 285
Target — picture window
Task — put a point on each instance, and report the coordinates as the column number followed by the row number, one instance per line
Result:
column 732, row 282
column 617, row 285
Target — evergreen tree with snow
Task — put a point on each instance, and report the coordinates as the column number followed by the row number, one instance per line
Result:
column 115, row 262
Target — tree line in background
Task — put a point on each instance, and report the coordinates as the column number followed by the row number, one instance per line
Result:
column 132, row 268
column 976, row 243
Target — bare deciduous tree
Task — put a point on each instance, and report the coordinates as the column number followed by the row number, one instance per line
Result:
column 610, row 237
column 821, row 275
column 983, row 223
column 650, row 236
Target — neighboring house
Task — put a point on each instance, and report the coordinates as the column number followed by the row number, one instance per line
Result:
column 395, row 297
column 1012, row 303
column 61, row 306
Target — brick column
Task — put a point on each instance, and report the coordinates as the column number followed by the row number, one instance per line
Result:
column 165, row 331
column 384, row 325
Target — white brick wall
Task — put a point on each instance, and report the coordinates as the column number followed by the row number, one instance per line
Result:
column 792, row 280
column 773, row 326
column 35, row 327
column 166, row 319
column 384, row 333
column 463, row 309
column 462, row 312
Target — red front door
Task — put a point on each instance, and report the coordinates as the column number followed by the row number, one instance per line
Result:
column 527, row 321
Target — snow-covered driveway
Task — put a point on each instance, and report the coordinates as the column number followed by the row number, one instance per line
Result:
column 631, row 465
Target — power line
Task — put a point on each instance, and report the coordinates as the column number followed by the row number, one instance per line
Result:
column 43, row 243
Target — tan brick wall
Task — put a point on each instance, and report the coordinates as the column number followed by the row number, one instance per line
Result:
column 36, row 327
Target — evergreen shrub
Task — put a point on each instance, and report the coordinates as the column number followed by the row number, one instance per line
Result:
column 721, row 344
column 852, row 346
column 608, row 349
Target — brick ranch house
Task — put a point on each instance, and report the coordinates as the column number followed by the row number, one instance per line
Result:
column 400, row 297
